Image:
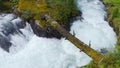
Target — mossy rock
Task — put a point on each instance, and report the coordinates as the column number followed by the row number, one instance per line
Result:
column 60, row 10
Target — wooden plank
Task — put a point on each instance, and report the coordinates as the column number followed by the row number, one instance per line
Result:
column 95, row 55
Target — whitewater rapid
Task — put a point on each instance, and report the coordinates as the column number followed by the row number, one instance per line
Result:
column 30, row 51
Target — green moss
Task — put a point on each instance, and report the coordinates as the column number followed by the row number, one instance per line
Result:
column 113, row 7
column 112, row 1
column 5, row 5
column 60, row 10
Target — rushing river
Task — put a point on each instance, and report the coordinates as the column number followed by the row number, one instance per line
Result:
column 26, row 50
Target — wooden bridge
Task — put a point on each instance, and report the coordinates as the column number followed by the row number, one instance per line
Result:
column 95, row 55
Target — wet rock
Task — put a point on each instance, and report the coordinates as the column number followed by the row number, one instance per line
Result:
column 44, row 32
column 9, row 28
column 5, row 43
column 103, row 50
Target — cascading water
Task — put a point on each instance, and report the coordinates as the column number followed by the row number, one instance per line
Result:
column 30, row 51
column 12, row 33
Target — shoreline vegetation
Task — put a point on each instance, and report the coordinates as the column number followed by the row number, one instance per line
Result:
column 58, row 10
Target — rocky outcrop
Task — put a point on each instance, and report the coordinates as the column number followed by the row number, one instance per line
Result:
column 43, row 32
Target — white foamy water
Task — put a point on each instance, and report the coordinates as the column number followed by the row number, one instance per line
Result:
column 31, row 51
column 11, row 31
